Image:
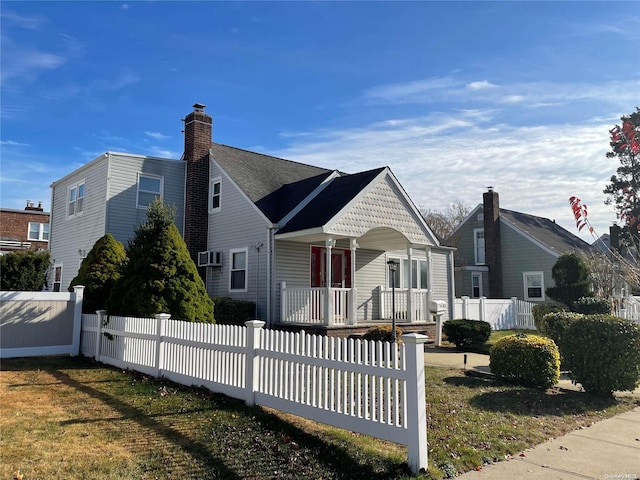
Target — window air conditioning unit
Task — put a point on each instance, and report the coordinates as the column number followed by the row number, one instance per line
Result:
column 210, row 259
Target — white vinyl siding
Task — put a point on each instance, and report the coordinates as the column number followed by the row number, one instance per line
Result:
column 149, row 188
column 38, row 231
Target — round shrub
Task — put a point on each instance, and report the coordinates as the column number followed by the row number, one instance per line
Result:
column 382, row 333
column 541, row 309
column 603, row 353
column 230, row 311
column 554, row 325
column 527, row 360
column 467, row 333
column 593, row 305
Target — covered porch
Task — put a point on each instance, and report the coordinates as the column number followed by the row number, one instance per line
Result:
column 375, row 278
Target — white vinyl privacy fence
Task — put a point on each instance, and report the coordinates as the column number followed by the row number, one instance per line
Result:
column 502, row 314
column 373, row 388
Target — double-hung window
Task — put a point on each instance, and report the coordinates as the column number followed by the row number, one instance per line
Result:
column 238, row 270
column 57, row 277
column 533, row 286
column 476, row 285
column 76, row 199
column 215, row 190
column 38, row 231
column 149, row 188
column 478, row 245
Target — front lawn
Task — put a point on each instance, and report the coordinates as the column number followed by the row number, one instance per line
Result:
column 62, row 417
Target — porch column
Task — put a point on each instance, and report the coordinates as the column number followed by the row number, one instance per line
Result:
column 410, row 314
column 353, row 304
column 429, row 283
column 328, row 312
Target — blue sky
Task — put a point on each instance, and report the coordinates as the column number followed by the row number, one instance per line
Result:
column 453, row 96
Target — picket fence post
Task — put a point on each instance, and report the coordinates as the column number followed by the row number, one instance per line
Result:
column 482, row 308
column 465, row 307
column 416, row 402
column 78, row 294
column 101, row 314
column 160, row 319
column 254, row 333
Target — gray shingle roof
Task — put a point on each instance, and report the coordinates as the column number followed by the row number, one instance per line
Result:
column 275, row 185
column 331, row 200
column 546, row 231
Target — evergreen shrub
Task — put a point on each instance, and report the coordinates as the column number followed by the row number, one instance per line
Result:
column 554, row 325
column 593, row 305
column 527, row 360
column 541, row 309
column 382, row 333
column 24, row 271
column 230, row 311
column 467, row 333
column 603, row 353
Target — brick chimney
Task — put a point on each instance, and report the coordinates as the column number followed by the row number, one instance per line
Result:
column 31, row 207
column 492, row 247
column 614, row 238
column 197, row 142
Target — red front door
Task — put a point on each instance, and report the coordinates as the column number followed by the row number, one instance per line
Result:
column 340, row 267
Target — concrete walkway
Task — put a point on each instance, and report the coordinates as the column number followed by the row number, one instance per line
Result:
column 609, row 449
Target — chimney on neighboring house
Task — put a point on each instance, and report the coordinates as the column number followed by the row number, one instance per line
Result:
column 614, row 238
column 197, row 142
column 492, row 246
column 31, row 207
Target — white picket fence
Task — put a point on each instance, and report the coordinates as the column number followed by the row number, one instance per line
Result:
column 502, row 314
column 368, row 387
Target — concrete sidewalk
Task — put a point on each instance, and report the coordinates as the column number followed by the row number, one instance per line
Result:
column 609, row 449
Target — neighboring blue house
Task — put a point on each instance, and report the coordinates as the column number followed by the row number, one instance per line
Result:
column 503, row 254
column 309, row 245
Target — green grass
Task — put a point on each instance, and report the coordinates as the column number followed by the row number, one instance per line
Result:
column 72, row 418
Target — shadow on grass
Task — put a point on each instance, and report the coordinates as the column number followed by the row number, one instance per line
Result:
column 248, row 443
column 531, row 401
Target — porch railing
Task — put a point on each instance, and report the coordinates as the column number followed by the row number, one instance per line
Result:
column 419, row 304
column 308, row 305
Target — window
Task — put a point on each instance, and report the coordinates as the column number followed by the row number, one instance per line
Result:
column 478, row 245
column 476, row 285
column 57, row 278
column 418, row 274
column 238, row 271
column 76, row 199
column 533, row 285
column 38, row 231
column 149, row 188
column 214, row 195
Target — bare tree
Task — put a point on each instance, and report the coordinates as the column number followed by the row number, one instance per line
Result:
column 442, row 223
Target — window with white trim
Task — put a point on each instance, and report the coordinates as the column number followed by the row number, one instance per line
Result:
column 533, row 286
column 149, row 188
column 76, row 199
column 38, row 231
column 476, row 284
column 418, row 273
column 478, row 245
column 238, row 270
column 57, row 277
column 215, row 192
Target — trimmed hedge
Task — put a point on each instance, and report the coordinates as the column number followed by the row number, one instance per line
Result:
column 555, row 324
column 593, row 305
column 467, row 333
column 230, row 311
column 541, row 309
column 527, row 360
column 603, row 353
column 382, row 333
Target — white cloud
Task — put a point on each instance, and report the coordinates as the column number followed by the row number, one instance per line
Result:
column 125, row 6
column 14, row 143
column 31, row 22
column 482, row 85
column 442, row 158
column 157, row 135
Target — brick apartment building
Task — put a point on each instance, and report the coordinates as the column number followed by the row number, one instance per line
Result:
column 26, row 229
